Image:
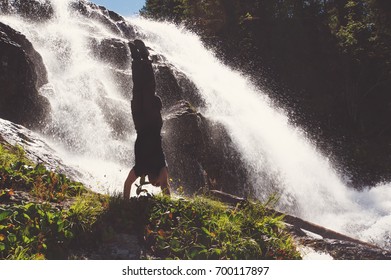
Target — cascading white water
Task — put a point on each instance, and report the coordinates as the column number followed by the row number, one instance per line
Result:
column 80, row 86
column 80, row 83
column 308, row 184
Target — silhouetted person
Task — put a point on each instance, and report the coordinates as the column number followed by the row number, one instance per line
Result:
column 146, row 107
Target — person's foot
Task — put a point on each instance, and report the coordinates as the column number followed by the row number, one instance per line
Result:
column 134, row 51
column 144, row 53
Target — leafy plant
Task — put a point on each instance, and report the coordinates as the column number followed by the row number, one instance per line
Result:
column 26, row 230
column 17, row 172
column 198, row 228
column 30, row 230
column 205, row 229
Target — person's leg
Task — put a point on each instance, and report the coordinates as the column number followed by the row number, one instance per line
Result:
column 134, row 51
column 128, row 183
column 142, row 49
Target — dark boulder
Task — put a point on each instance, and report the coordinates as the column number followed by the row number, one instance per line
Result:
column 120, row 23
column 33, row 55
column 126, row 29
column 110, row 19
column 112, row 15
column 225, row 166
column 22, row 72
column 173, row 86
column 35, row 148
column 115, row 52
column 93, row 11
column 200, row 153
column 118, row 115
column 190, row 91
column 167, row 86
column 4, row 6
column 182, row 144
column 124, row 82
column 34, row 10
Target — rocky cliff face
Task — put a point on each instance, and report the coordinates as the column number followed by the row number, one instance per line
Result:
column 199, row 152
column 37, row 150
column 22, row 72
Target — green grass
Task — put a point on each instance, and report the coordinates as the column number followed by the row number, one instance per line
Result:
column 46, row 227
column 202, row 228
column 63, row 216
column 11, row 154
column 19, row 173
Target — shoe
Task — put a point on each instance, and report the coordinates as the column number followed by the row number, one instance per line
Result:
column 134, row 51
column 144, row 53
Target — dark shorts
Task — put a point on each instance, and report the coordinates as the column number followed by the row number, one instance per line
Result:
column 149, row 154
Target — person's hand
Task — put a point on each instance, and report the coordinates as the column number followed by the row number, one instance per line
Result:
column 162, row 181
column 128, row 183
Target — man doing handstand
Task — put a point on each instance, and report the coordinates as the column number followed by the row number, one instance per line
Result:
column 146, row 107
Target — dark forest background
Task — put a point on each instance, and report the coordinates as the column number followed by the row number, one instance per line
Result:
column 327, row 62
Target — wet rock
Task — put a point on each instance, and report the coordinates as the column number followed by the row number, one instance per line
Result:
column 5, row 6
column 315, row 240
column 93, row 11
column 345, row 250
column 36, row 149
column 225, row 167
column 35, row 10
column 114, row 52
column 182, row 144
column 118, row 115
column 334, row 244
column 189, row 90
column 173, row 86
column 167, row 86
column 22, row 72
column 112, row 15
column 200, row 153
column 14, row 36
column 127, row 29
column 124, row 82
column 113, row 21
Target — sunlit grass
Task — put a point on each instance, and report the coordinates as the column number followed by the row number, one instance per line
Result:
column 66, row 217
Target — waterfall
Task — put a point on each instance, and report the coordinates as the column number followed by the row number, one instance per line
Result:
column 278, row 155
column 306, row 181
column 81, row 88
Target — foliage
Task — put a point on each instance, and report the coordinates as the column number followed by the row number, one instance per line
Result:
column 181, row 10
column 18, row 173
column 26, row 231
column 39, row 230
column 198, row 228
column 10, row 154
column 202, row 228
column 354, row 23
column 85, row 211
